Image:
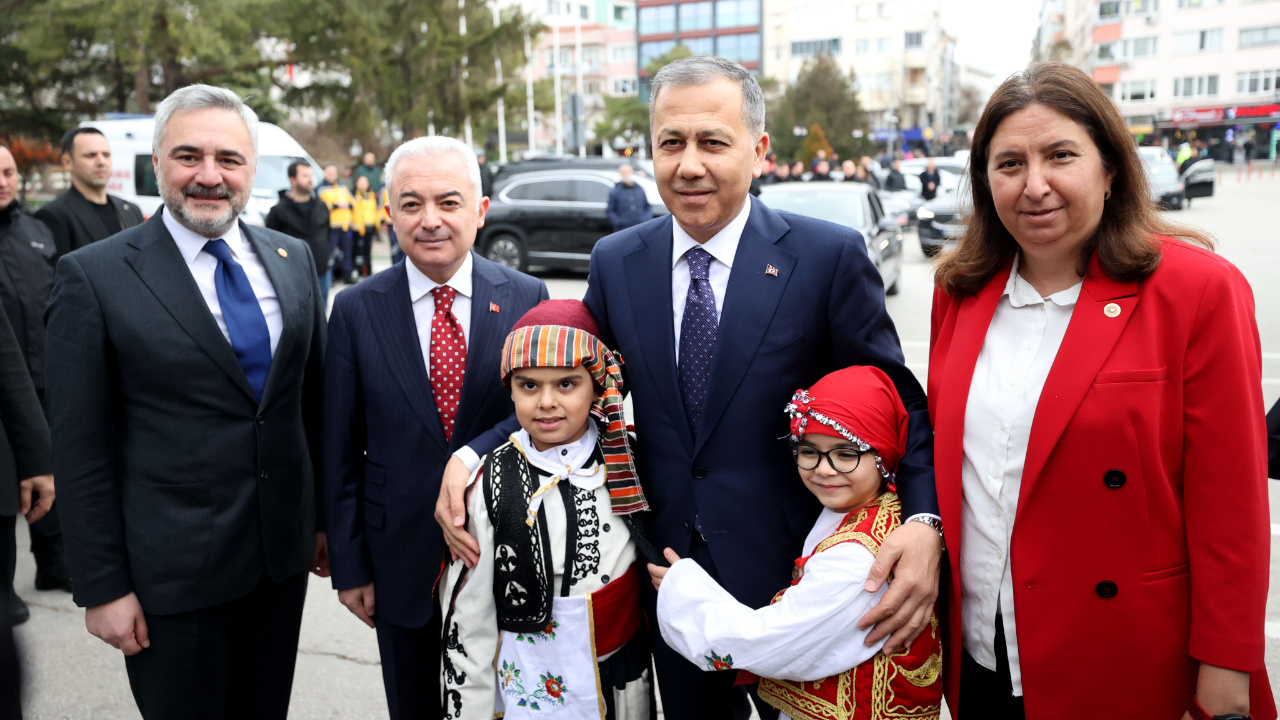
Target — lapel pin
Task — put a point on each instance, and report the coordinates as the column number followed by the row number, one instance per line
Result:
column 493, row 307
column 1111, row 310
column 771, row 270
column 282, row 252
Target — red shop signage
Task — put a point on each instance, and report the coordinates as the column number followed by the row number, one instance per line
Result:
column 1182, row 116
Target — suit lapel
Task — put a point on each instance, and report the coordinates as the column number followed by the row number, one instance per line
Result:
column 161, row 267
column 288, row 293
column 749, row 305
column 489, row 327
column 391, row 316
column 1091, row 335
column 648, row 274
column 973, row 318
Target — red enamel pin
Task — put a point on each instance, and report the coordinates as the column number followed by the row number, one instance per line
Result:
column 493, row 307
column 771, row 270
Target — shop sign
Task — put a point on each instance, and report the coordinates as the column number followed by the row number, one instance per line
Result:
column 1198, row 115
column 1188, row 116
column 1255, row 111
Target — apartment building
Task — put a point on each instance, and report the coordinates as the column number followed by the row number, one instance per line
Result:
column 1182, row 70
column 726, row 28
column 903, row 59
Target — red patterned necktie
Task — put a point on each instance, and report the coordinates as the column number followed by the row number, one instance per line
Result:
column 448, row 358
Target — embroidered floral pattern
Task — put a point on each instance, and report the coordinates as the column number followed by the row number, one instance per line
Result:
column 548, row 633
column 549, row 693
column 715, row 662
column 509, row 679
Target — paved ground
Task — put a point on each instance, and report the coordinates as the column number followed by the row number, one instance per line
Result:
column 73, row 675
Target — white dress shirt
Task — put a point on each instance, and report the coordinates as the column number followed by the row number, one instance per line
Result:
column 424, row 303
column 722, row 247
column 203, row 266
column 1020, row 347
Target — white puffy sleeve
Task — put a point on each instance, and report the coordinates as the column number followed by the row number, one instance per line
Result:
column 810, row 634
column 470, row 627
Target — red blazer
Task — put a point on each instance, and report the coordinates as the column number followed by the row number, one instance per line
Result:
column 1146, row 468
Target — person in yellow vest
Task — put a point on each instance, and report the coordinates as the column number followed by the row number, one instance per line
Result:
column 340, row 203
column 848, row 433
column 366, row 215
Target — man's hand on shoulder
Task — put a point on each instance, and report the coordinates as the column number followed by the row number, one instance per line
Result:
column 120, row 624
column 451, row 513
column 912, row 554
column 359, row 600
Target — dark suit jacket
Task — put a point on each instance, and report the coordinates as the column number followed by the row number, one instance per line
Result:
column 24, row 444
column 173, row 481
column 384, row 448
column 1273, row 441
column 824, row 310
column 75, row 224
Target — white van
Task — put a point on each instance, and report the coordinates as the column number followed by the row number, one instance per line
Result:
column 134, row 179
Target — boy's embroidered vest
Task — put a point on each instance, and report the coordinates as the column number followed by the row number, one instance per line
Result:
column 906, row 684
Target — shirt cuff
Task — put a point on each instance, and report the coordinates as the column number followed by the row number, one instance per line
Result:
column 904, row 522
column 468, row 458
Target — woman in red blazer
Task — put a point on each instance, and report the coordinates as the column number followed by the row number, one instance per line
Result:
column 1095, row 390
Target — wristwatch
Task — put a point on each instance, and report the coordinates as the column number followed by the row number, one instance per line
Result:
column 1199, row 713
column 934, row 523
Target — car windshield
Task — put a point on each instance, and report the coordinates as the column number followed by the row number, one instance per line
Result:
column 837, row 206
column 1158, row 165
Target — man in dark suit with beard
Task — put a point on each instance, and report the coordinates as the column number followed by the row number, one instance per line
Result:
column 184, row 390
column 85, row 213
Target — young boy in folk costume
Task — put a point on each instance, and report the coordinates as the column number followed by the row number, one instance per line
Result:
column 549, row 622
column 847, row 432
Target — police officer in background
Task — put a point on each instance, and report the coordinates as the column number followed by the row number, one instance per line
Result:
column 85, row 213
column 26, row 281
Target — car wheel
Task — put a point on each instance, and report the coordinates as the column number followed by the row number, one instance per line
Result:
column 508, row 250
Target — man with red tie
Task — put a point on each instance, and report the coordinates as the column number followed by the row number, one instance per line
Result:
column 411, row 379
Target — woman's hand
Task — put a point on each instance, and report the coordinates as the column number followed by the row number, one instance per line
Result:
column 1221, row 691
column 657, row 573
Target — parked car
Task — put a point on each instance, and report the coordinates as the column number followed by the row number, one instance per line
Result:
column 1198, row 179
column 1163, row 180
column 570, row 162
column 552, row 218
column 939, row 221
column 853, row 205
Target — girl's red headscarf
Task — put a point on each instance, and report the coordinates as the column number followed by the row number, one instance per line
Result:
column 859, row 404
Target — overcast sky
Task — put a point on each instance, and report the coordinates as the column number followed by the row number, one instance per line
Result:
column 994, row 35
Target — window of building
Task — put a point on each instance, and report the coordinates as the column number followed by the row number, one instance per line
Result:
column 651, row 50
column 1197, row 3
column 1195, row 86
column 739, row 48
column 1258, row 82
column 737, row 13
column 1197, row 41
column 584, row 12
column 866, row 11
column 622, row 52
column 1133, row 8
column 700, row 46
column 619, row 13
column 882, row 44
column 553, row 7
column 861, row 46
column 1108, row 89
column 914, row 40
column 1109, row 10
column 695, row 16
column 882, row 82
column 809, row 48
column 1259, row 36
column 655, row 20
column 591, row 55
column 1139, row 48
column 624, row 86
column 1138, row 90
column 884, row 10
column 1107, row 52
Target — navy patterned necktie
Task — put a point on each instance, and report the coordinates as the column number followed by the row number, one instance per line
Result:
column 246, row 324
column 697, row 336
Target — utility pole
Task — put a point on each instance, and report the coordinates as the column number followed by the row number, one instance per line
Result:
column 579, row 123
column 528, row 92
column 555, row 71
column 502, row 107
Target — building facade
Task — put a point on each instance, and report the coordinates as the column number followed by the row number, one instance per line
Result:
column 730, row 29
column 903, row 60
column 1180, row 70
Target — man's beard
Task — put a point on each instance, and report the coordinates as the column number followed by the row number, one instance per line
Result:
column 89, row 181
column 175, row 202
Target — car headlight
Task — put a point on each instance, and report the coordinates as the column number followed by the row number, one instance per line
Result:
column 924, row 214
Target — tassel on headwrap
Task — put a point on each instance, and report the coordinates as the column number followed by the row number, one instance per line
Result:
column 562, row 333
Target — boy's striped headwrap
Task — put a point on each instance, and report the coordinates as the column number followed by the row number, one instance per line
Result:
column 562, row 333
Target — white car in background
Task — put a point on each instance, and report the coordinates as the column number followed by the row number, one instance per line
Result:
column 133, row 177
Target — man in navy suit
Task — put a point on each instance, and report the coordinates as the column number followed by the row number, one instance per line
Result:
column 722, row 311
column 411, row 378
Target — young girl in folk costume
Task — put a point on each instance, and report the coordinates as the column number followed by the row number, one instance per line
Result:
column 548, row 623
column 847, row 432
